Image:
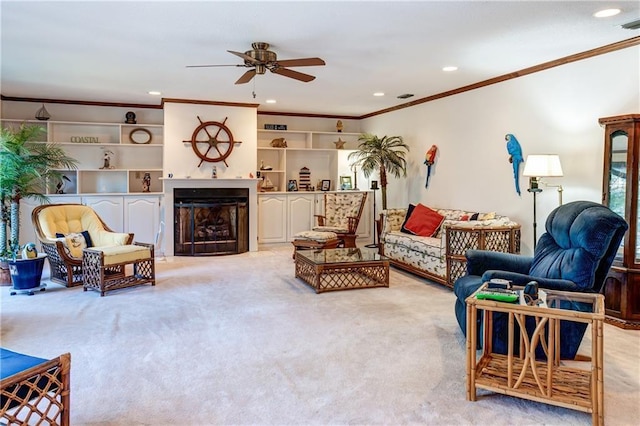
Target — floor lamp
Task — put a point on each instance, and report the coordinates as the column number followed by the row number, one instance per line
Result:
column 374, row 188
column 535, row 168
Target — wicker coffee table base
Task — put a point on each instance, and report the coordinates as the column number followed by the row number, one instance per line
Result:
column 342, row 276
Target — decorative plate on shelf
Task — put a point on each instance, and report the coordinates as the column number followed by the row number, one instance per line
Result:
column 140, row 136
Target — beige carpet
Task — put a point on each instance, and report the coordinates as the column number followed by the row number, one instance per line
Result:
column 238, row 340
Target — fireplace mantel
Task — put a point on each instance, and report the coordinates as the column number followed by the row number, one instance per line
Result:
column 171, row 183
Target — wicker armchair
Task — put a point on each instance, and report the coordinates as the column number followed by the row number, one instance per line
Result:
column 34, row 390
column 51, row 219
column 342, row 211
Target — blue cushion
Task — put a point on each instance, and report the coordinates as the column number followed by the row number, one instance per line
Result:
column 14, row 362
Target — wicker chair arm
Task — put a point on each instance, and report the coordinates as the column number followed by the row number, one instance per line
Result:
column 353, row 224
column 321, row 219
column 59, row 251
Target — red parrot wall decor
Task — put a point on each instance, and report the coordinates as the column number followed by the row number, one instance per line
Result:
column 429, row 160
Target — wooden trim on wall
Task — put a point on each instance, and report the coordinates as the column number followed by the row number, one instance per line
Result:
column 75, row 102
column 630, row 42
column 633, row 41
column 200, row 102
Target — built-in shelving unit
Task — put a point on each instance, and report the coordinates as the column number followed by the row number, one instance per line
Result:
column 133, row 150
column 314, row 150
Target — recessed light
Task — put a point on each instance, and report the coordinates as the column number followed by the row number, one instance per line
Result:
column 271, row 101
column 378, row 94
column 449, row 68
column 154, row 93
column 605, row 13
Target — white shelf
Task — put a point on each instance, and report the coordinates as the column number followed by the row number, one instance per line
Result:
column 314, row 150
column 87, row 142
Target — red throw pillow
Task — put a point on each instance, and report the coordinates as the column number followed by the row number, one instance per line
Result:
column 424, row 221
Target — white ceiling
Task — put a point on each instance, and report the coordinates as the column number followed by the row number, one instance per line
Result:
column 118, row 51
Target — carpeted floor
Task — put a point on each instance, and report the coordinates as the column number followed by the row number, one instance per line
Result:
column 238, row 340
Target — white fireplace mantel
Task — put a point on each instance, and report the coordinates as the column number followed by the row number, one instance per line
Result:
column 172, row 183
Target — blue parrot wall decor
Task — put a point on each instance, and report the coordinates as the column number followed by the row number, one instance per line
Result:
column 515, row 157
column 429, row 160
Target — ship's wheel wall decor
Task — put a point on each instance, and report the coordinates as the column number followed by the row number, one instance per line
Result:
column 212, row 141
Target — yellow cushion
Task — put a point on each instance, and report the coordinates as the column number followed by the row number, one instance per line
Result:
column 70, row 218
column 124, row 254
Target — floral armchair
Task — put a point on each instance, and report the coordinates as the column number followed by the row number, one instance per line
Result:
column 342, row 211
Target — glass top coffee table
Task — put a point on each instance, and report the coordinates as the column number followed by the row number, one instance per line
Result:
column 342, row 268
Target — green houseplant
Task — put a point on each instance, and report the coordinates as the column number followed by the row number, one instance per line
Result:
column 26, row 166
column 386, row 155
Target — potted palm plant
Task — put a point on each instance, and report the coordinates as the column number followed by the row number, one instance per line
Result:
column 26, row 166
column 385, row 155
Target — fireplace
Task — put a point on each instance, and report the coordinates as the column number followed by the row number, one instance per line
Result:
column 210, row 221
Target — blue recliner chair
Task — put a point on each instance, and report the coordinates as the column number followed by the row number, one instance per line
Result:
column 574, row 254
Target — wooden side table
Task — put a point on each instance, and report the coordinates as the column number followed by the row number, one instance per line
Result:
column 551, row 380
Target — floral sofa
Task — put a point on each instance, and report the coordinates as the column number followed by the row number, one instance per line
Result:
column 441, row 258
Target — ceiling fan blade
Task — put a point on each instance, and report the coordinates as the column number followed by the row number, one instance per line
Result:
column 293, row 74
column 246, row 77
column 302, row 62
column 207, row 66
column 245, row 57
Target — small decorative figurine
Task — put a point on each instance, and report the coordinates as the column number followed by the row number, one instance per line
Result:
column 214, row 172
column 131, row 117
column 339, row 126
column 29, row 251
column 107, row 160
column 42, row 114
column 279, row 143
column 61, row 185
column 146, row 182
column 340, row 143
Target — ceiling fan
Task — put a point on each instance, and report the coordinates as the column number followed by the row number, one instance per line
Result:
column 261, row 59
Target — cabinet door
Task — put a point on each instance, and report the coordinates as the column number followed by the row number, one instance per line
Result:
column 272, row 218
column 365, row 226
column 110, row 210
column 300, row 208
column 27, row 233
column 142, row 216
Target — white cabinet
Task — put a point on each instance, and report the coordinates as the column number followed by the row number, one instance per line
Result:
column 110, row 209
column 27, row 231
column 313, row 150
column 112, row 157
column 300, row 212
column 272, row 218
column 142, row 217
column 281, row 216
column 121, row 213
column 365, row 226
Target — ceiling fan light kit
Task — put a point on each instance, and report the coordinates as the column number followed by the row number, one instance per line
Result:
column 261, row 59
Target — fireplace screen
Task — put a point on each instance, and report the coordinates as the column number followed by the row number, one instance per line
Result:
column 210, row 221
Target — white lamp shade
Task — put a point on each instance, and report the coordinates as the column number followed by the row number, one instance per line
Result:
column 545, row 165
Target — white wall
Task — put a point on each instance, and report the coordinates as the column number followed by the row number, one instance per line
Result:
column 180, row 120
column 553, row 111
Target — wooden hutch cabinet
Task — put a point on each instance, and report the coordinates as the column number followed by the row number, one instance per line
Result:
column 620, row 193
